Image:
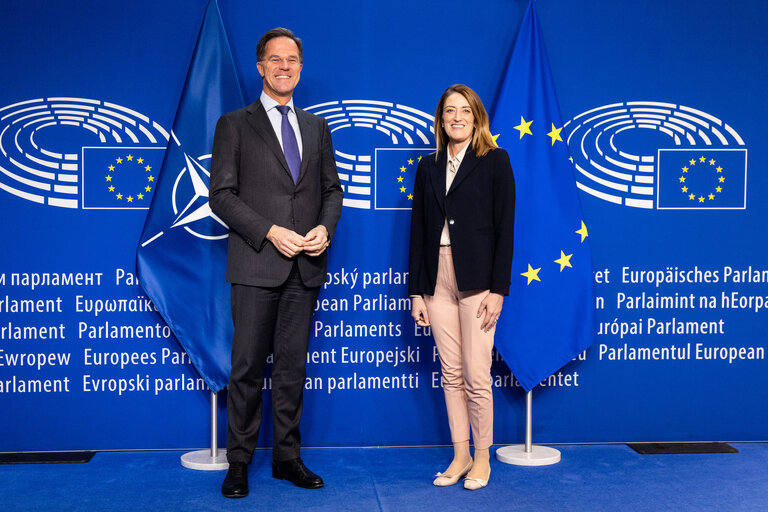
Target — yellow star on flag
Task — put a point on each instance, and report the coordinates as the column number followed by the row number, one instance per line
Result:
column 532, row 274
column 555, row 134
column 129, row 158
column 140, row 195
column 150, row 178
column 702, row 159
column 582, row 231
column 148, row 188
column 711, row 196
column 712, row 162
column 524, row 127
column 119, row 160
column 685, row 189
column 564, row 261
column 692, row 197
column 111, row 167
column 119, row 196
column 148, row 168
column 410, row 197
column 111, row 188
column 701, row 199
column 721, row 179
column 130, row 199
column 410, row 161
column 109, row 178
column 140, row 160
column 494, row 137
column 719, row 169
column 402, row 189
column 400, row 179
column 682, row 179
column 402, row 169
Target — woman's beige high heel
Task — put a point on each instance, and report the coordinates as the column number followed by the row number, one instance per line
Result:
column 443, row 480
column 474, row 484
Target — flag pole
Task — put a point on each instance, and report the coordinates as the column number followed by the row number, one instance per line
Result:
column 212, row 459
column 528, row 454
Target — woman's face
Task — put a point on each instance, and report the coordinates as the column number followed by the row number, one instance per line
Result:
column 458, row 121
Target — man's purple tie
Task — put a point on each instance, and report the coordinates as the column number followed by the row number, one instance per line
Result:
column 290, row 146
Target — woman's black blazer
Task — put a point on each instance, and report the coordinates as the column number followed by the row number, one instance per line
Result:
column 480, row 209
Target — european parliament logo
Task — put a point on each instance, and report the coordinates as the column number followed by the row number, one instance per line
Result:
column 656, row 155
column 382, row 144
column 58, row 152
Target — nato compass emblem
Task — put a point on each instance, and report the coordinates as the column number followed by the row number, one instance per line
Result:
column 191, row 204
column 79, row 153
column 186, row 204
column 381, row 144
column 654, row 155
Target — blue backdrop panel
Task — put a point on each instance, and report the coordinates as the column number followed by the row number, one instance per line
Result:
column 644, row 89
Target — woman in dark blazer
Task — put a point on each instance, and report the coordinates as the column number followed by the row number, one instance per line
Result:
column 460, row 261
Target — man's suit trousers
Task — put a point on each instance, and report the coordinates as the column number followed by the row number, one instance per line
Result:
column 277, row 319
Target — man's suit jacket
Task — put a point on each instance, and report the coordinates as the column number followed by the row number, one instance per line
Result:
column 480, row 209
column 251, row 189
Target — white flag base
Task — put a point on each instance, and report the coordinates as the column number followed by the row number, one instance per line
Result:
column 538, row 456
column 527, row 454
column 205, row 461
column 211, row 459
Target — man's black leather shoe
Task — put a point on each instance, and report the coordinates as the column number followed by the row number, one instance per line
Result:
column 236, row 482
column 297, row 473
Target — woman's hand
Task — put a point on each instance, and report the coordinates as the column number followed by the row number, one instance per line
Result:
column 491, row 308
column 419, row 311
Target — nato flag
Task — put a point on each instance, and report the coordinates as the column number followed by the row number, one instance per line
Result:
column 181, row 257
column 548, row 318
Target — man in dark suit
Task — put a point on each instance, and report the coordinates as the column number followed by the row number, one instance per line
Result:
column 274, row 182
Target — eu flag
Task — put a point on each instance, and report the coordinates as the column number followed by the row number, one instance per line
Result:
column 548, row 318
column 181, row 257
column 702, row 179
column 120, row 177
column 395, row 174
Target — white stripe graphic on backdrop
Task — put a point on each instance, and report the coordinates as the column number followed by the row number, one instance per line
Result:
column 620, row 177
column 28, row 126
column 402, row 125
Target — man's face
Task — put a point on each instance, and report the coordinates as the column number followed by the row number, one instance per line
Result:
column 280, row 69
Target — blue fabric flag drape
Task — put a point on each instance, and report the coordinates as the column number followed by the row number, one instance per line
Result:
column 181, row 257
column 548, row 318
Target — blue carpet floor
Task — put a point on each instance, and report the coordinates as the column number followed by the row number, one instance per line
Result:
column 589, row 478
